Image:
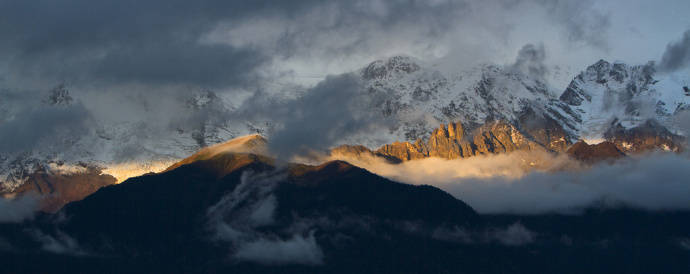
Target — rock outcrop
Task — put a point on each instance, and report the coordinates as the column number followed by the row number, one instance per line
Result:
column 451, row 141
column 649, row 136
column 54, row 190
column 604, row 151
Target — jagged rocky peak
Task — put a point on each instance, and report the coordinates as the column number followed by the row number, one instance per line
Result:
column 546, row 130
column 500, row 137
column 603, row 72
column 404, row 151
column 201, row 99
column 604, row 151
column 405, row 88
column 360, row 152
column 59, row 96
column 389, row 68
column 451, row 141
column 648, row 136
column 607, row 94
column 453, row 131
column 207, row 121
column 618, row 78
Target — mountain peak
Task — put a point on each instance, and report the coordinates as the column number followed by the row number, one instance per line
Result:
column 606, row 92
column 59, row 96
column 594, row 153
column 600, row 65
column 322, row 171
column 249, row 144
column 389, row 68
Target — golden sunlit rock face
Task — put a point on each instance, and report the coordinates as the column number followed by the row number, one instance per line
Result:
column 123, row 171
column 452, row 142
column 496, row 149
column 57, row 189
column 246, row 144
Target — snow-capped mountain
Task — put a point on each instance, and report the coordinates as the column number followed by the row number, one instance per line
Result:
column 120, row 149
column 615, row 93
column 603, row 96
column 606, row 101
column 421, row 98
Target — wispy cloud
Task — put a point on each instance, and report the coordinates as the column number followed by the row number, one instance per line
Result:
column 677, row 54
column 59, row 243
column 237, row 217
column 511, row 184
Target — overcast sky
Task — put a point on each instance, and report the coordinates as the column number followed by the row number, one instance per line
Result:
column 139, row 62
column 133, row 60
column 230, row 44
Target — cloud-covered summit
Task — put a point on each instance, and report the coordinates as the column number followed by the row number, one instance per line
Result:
column 132, row 67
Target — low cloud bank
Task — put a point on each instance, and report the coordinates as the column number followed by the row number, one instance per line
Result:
column 534, row 183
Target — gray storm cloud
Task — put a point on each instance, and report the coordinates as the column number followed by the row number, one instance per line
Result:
column 677, row 55
column 151, row 42
column 333, row 110
column 34, row 125
column 130, row 60
column 530, row 61
column 164, row 42
column 581, row 21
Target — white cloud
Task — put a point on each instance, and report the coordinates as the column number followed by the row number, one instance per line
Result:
column 237, row 217
column 514, row 235
column 510, row 183
column 296, row 250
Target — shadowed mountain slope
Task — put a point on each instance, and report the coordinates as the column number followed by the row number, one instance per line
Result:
column 246, row 213
column 594, row 153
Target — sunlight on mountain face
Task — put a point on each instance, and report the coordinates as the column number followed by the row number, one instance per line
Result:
column 124, row 171
column 253, row 143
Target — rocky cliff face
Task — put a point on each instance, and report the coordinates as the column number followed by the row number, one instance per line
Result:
column 587, row 153
column 624, row 96
column 54, row 190
column 607, row 101
column 412, row 94
column 646, row 137
column 452, row 141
